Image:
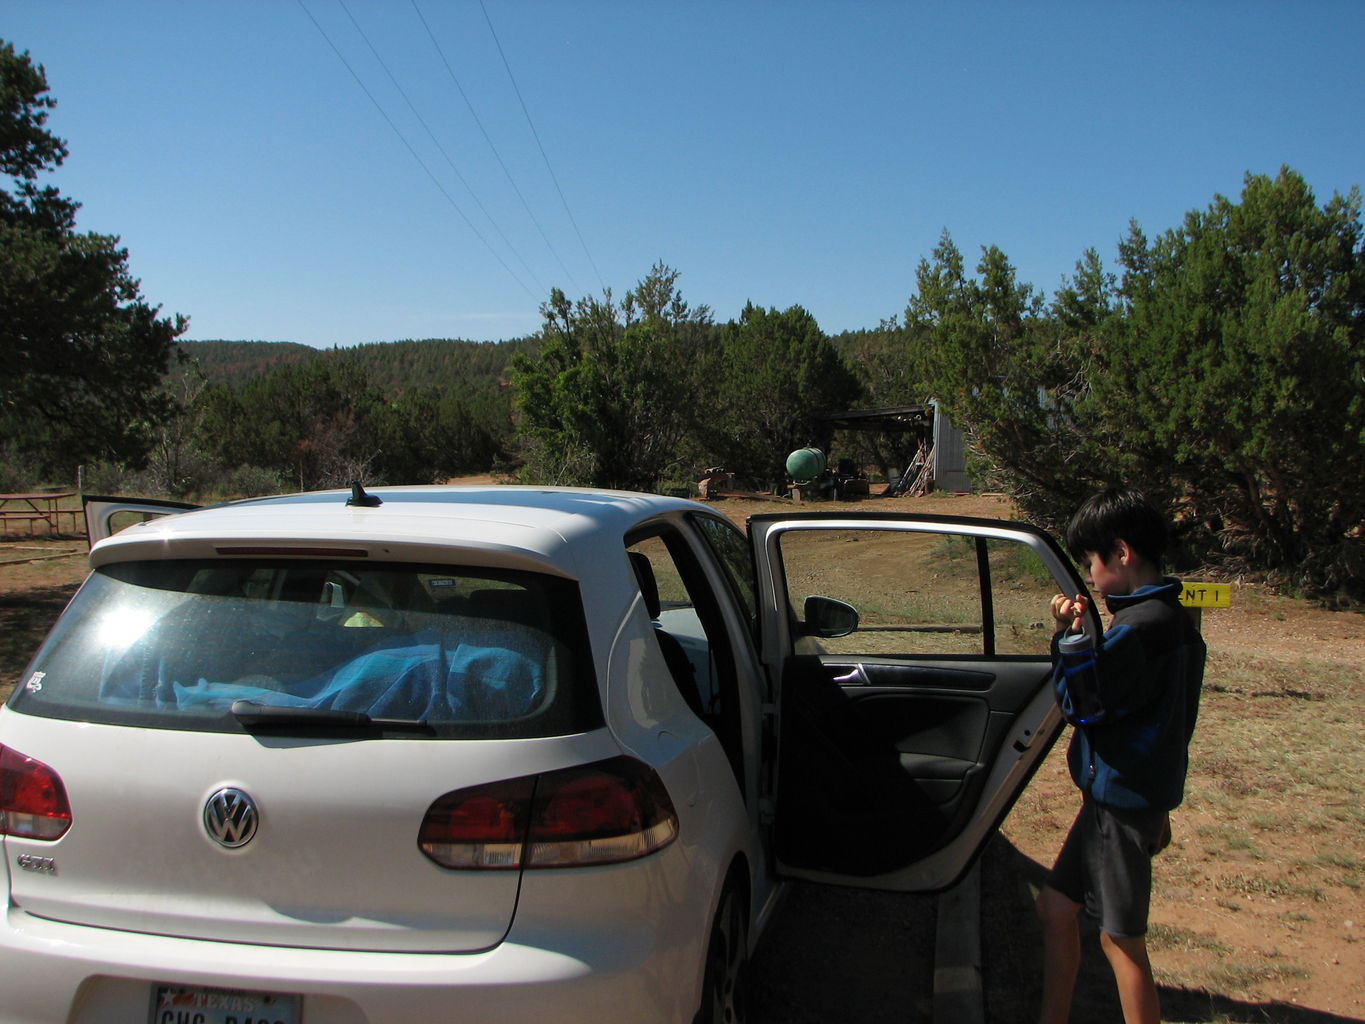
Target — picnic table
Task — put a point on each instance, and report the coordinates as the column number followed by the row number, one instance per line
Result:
column 31, row 509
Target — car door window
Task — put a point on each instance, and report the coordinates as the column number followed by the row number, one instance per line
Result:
column 465, row 652
column 923, row 593
column 678, row 626
column 688, row 621
column 733, row 553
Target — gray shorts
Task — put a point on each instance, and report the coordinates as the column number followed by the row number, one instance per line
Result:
column 1106, row 865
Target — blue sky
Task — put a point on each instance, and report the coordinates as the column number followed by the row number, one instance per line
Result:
column 776, row 152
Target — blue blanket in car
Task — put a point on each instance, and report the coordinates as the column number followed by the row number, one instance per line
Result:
column 499, row 677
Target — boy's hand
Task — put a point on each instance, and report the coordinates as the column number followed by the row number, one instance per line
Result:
column 1069, row 612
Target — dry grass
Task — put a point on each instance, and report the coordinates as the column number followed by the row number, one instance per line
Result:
column 1258, row 903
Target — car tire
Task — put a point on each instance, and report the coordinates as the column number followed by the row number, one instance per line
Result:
column 725, row 981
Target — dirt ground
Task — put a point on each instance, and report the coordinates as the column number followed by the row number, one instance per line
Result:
column 1259, row 906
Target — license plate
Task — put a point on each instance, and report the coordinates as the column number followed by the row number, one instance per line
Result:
column 182, row 1004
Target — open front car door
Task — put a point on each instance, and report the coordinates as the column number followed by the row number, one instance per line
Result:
column 912, row 655
column 105, row 516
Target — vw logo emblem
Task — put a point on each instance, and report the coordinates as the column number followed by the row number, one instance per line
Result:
column 230, row 818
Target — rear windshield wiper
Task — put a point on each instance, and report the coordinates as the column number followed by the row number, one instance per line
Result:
column 275, row 716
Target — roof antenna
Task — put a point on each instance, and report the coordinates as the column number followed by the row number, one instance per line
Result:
column 359, row 497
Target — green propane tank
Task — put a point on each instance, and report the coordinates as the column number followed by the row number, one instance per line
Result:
column 805, row 464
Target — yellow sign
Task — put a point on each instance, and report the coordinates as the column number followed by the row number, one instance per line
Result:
column 1207, row 595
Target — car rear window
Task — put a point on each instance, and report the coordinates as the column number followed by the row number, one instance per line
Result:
column 418, row 650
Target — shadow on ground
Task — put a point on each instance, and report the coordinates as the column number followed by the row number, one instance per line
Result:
column 25, row 619
column 845, row 955
column 1012, row 961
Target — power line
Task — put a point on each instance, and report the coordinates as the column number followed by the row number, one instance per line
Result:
column 488, row 139
column 420, row 162
column 543, row 154
column 436, row 142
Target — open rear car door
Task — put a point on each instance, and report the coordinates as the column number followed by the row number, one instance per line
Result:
column 105, row 516
column 914, row 698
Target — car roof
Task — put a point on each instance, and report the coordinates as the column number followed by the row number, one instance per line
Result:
column 556, row 529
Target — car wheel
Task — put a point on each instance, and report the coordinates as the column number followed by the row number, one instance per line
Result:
column 725, row 981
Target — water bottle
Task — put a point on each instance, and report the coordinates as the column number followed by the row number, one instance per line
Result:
column 1077, row 652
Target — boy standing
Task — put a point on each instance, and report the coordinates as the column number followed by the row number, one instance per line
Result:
column 1129, row 765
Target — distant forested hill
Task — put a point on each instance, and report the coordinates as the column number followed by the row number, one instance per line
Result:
column 398, row 366
column 393, row 367
column 238, row 361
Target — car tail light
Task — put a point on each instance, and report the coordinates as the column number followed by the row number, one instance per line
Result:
column 604, row 813
column 482, row 827
column 33, row 800
column 612, row 811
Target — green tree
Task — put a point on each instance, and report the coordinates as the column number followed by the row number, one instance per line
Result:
column 1224, row 373
column 310, row 422
column 83, row 353
column 178, row 463
column 1004, row 371
column 882, row 361
column 609, row 400
column 1240, row 358
column 427, row 434
column 780, row 375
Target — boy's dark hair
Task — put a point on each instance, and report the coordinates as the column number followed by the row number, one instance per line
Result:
column 1114, row 515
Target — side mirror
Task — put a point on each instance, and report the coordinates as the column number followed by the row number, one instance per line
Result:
column 827, row 617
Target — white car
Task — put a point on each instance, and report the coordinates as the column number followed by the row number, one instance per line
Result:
column 496, row 754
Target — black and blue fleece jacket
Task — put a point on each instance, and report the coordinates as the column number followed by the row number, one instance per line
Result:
column 1151, row 671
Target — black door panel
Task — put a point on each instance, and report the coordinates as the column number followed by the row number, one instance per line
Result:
column 894, row 753
column 844, row 804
